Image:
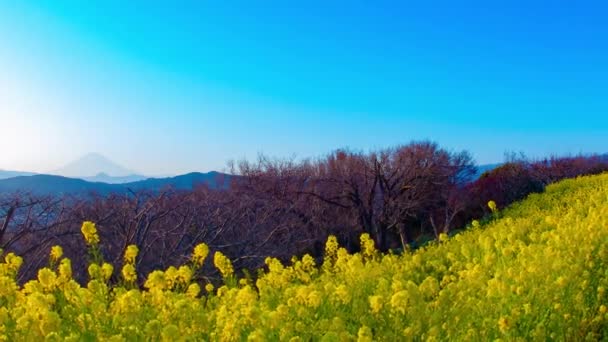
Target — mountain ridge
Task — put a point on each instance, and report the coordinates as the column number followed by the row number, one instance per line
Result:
column 4, row 174
column 59, row 185
column 91, row 165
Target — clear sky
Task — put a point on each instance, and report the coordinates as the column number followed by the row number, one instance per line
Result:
column 177, row 86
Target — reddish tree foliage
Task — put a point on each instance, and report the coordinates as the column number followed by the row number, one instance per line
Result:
column 281, row 208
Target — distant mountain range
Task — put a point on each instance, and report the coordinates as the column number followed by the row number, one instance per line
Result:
column 94, row 173
column 59, row 185
column 10, row 174
column 94, row 167
column 484, row 168
column 91, row 165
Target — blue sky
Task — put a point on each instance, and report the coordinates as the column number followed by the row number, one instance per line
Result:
column 177, row 86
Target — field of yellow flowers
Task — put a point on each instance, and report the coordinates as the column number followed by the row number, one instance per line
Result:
column 538, row 270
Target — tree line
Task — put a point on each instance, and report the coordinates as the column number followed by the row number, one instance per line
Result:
column 402, row 196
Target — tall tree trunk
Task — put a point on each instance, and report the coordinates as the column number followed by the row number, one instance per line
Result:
column 7, row 220
column 379, row 237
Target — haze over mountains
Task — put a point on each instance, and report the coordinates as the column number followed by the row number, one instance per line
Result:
column 94, row 173
column 94, row 167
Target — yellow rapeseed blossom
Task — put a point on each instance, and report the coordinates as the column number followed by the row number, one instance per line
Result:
column 365, row 334
column 56, row 253
column 503, row 324
column 331, row 246
column 492, row 206
column 89, row 231
column 223, row 264
column 65, row 269
column 13, row 262
column 193, row 290
column 131, row 253
column 368, row 248
column 106, row 271
column 128, row 273
column 200, row 254
column 375, row 303
column 94, row 271
column 184, row 274
column 156, row 280
column 47, row 278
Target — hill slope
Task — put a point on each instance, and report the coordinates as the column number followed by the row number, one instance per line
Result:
column 4, row 174
column 54, row 185
column 538, row 270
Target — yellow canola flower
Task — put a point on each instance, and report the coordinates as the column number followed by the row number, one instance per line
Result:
column 365, row 334
column 106, row 271
column 94, row 271
column 56, row 253
column 200, row 254
column 156, row 280
column 47, row 278
column 503, row 324
column 342, row 294
column 193, row 290
column 89, row 231
column 131, row 253
column 223, row 264
column 171, row 277
column 129, row 273
column 368, row 248
column 492, row 206
column 375, row 303
column 65, row 269
column 331, row 246
column 184, row 274
column 13, row 261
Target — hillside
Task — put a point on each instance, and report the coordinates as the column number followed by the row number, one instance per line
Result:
column 537, row 270
column 54, row 185
column 4, row 174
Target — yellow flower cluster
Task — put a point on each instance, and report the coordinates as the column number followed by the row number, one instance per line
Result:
column 200, row 254
column 538, row 272
column 492, row 206
column 56, row 253
column 129, row 273
column 130, row 254
column 223, row 264
column 89, row 231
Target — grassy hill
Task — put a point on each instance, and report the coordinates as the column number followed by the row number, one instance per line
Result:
column 538, row 270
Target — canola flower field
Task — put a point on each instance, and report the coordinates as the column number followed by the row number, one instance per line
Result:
column 536, row 271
